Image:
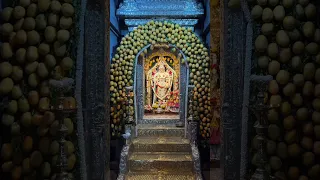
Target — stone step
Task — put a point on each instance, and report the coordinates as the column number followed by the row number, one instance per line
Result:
column 168, row 162
column 158, row 121
column 160, row 176
column 161, row 144
column 156, row 130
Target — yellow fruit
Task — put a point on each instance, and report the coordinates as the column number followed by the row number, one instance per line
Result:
column 31, row 67
column 26, row 166
column 55, row 6
column 43, row 5
column 65, row 22
column 21, row 55
column 67, row 9
column 29, row 24
column 33, row 80
column 32, row 54
column 71, row 161
column 17, row 73
column 44, row 103
column 59, row 49
column 7, row 166
column 66, row 63
column 6, row 50
column 50, row 34
column 16, row 172
column 50, row 61
column 41, row 22
column 44, row 49
column 37, row 119
column 42, row 71
column 32, row 10
column 6, row 13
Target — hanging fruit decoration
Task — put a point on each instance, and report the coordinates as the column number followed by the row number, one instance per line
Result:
column 153, row 32
column 34, row 39
column 288, row 49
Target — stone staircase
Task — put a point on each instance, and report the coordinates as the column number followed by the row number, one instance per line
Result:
column 160, row 152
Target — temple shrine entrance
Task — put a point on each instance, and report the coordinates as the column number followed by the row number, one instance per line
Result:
column 161, row 78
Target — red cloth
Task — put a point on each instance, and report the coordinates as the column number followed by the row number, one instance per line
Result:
column 215, row 136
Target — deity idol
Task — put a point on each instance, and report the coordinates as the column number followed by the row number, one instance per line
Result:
column 162, row 83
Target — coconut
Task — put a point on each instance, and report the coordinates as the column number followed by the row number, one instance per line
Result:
column 44, row 103
column 32, row 54
column 16, row 92
column 43, row 5
column 298, row 47
column 285, row 55
column 294, row 150
column 271, row 147
column 310, row 11
column 261, row 43
column 25, row 119
column 36, row 157
column 29, row 24
column 282, row 38
column 289, row 122
column 303, row 2
column 308, row 89
column 308, row 29
column 256, row 12
column 267, row 29
column 18, row 12
column 50, row 61
column 273, row 87
column 50, row 34
column 287, row 3
column 274, row 68
column 53, row 19
column 41, row 22
column 6, row 86
column 307, row 143
column 316, row 104
column 296, row 63
column 283, row 77
column 5, row 69
column 67, row 10
column 316, row 117
column 33, row 37
column 6, row 14
column 65, row 22
column 273, row 132
column 297, row 100
column 309, row 71
column 275, row 162
column 33, row 80
column 279, row 13
column 267, row 15
column 63, row 35
column 293, row 172
column 299, row 11
column 312, row 48
column 6, row 29
column 31, row 68
column 7, row 119
column 59, row 49
column 298, row 80
column 285, row 108
column 273, row 50
column 42, row 71
column 44, row 49
column 33, row 98
column 282, row 150
column 67, row 63
column 289, row 23
column 273, row 116
column 55, row 6
column 17, row 73
column 294, row 35
column 18, row 25
column 302, row 114
column 21, row 37
column 316, row 148
column 308, row 129
column 275, row 100
column 32, row 10
column 273, row 2
column 314, row 172
column 6, row 51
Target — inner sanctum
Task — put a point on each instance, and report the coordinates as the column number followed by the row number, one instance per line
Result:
column 161, row 83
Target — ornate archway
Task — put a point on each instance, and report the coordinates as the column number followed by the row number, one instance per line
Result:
column 195, row 53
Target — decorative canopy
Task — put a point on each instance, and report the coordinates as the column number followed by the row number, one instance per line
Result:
column 182, row 12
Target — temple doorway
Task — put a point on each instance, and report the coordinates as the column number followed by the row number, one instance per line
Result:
column 159, row 82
